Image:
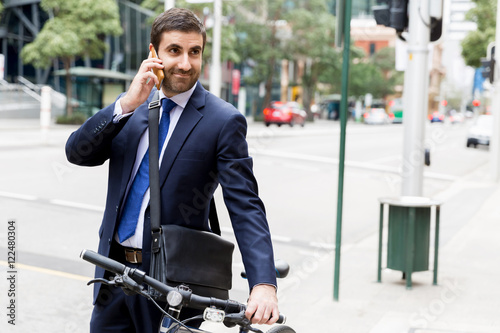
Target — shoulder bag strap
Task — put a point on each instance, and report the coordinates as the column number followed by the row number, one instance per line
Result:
column 154, row 173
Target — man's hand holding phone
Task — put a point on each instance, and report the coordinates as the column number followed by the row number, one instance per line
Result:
column 150, row 73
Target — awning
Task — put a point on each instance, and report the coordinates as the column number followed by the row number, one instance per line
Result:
column 95, row 72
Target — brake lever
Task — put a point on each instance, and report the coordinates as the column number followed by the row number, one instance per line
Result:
column 233, row 319
column 101, row 280
column 128, row 285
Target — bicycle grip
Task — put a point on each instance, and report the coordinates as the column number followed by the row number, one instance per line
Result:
column 103, row 262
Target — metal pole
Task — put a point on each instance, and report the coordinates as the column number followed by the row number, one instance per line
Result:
column 416, row 98
column 215, row 69
column 169, row 4
column 343, row 121
column 495, row 105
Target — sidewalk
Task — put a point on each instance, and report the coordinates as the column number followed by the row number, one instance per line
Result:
column 466, row 299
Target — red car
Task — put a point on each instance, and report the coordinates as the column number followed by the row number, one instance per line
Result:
column 279, row 113
column 436, row 117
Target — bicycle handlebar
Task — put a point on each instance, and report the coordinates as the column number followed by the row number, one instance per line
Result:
column 103, row 262
column 192, row 300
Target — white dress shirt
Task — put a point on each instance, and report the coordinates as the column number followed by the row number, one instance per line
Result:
column 181, row 100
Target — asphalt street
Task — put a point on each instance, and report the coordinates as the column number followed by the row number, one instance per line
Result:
column 57, row 208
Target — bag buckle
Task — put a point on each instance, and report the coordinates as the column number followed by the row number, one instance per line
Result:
column 155, row 241
column 154, row 104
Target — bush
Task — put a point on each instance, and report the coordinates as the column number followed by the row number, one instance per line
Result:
column 75, row 119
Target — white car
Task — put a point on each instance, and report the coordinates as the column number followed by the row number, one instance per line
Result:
column 376, row 116
column 480, row 133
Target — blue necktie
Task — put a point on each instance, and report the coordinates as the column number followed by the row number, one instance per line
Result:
column 131, row 210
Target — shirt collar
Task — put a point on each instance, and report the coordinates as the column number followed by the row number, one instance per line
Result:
column 182, row 98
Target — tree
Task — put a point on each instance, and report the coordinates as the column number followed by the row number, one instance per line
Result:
column 476, row 42
column 375, row 75
column 202, row 10
column 257, row 25
column 313, row 30
column 76, row 29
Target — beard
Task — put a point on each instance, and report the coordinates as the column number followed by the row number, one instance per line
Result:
column 173, row 85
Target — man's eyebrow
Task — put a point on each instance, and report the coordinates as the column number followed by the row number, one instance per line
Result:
column 173, row 45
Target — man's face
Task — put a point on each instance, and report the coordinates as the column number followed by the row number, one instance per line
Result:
column 181, row 55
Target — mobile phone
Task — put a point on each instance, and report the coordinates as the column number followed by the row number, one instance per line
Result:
column 157, row 71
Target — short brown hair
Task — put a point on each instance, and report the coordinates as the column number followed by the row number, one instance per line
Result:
column 176, row 19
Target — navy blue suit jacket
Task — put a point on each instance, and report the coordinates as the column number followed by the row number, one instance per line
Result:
column 208, row 147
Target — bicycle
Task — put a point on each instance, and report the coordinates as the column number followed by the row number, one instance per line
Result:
column 230, row 313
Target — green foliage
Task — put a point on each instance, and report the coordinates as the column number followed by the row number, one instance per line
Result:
column 476, row 42
column 255, row 46
column 75, row 119
column 376, row 75
column 265, row 32
column 77, row 29
column 228, row 32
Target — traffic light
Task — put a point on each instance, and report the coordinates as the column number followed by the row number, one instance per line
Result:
column 392, row 13
column 436, row 28
column 488, row 63
column 395, row 14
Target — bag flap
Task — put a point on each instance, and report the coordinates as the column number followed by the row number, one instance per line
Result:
column 197, row 257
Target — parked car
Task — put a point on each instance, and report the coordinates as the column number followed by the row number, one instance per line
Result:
column 280, row 113
column 456, row 117
column 376, row 116
column 436, row 117
column 480, row 133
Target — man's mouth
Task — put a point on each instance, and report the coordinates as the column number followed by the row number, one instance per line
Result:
column 182, row 73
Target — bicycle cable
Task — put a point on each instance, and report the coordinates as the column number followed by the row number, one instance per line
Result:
column 177, row 322
column 174, row 327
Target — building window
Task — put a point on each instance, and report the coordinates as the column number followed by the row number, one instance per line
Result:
column 372, row 48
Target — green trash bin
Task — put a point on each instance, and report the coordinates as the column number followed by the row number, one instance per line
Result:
column 408, row 240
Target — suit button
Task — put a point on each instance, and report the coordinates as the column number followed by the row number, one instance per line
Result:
column 117, row 208
column 109, row 241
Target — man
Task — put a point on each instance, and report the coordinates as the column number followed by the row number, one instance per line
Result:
column 205, row 145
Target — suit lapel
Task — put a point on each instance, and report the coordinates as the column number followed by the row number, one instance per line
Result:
column 189, row 118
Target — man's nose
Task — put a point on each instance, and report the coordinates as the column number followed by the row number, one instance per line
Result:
column 184, row 63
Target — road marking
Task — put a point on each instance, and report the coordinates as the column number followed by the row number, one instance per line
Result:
column 324, row 246
column 48, row 271
column 18, row 196
column 56, row 202
column 71, row 204
column 304, row 157
column 282, row 239
column 76, row 205
column 355, row 164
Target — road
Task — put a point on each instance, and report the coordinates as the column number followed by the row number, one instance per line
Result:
column 58, row 207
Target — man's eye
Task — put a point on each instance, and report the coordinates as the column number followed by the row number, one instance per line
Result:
column 174, row 51
column 195, row 52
